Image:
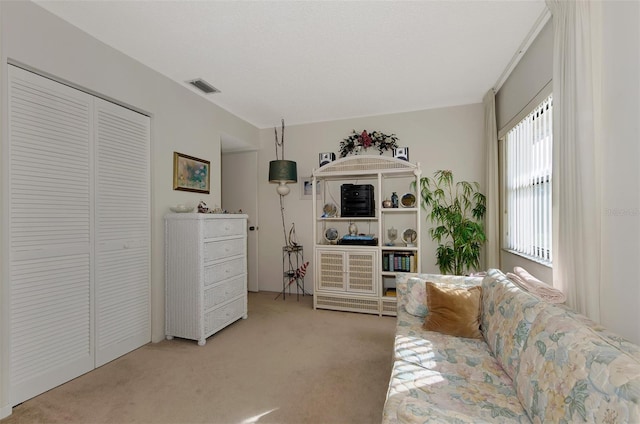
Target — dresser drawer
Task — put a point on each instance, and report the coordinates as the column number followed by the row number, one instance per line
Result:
column 223, row 228
column 222, row 292
column 223, row 249
column 222, row 271
column 219, row 318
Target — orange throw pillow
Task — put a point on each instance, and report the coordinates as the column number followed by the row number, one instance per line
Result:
column 454, row 310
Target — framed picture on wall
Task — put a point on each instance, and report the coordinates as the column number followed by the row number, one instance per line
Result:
column 191, row 174
column 306, row 188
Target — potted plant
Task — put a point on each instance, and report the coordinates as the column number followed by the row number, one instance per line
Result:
column 457, row 210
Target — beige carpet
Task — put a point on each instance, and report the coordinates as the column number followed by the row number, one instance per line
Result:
column 285, row 364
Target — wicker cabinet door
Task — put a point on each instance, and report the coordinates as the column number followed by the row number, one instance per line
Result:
column 361, row 272
column 331, row 275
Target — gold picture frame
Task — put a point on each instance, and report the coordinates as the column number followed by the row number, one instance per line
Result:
column 191, row 173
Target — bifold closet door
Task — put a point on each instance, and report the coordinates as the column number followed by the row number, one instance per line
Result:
column 78, row 232
column 49, row 235
column 123, row 321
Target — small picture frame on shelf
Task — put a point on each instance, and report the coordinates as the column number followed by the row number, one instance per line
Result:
column 306, row 188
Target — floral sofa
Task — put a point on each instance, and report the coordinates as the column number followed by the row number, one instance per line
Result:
column 536, row 362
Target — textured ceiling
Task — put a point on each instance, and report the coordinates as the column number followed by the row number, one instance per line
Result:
column 312, row 61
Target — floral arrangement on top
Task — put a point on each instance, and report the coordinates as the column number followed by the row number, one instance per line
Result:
column 362, row 141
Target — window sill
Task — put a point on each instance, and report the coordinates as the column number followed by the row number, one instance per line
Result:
column 548, row 264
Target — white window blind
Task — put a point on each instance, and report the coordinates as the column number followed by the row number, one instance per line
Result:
column 528, row 184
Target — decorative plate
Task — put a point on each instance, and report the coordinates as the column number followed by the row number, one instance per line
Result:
column 181, row 208
column 331, row 235
column 408, row 200
column 329, row 211
column 409, row 236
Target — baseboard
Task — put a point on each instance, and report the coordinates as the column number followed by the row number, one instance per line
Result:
column 5, row 411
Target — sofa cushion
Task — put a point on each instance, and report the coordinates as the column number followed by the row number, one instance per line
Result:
column 569, row 372
column 441, row 352
column 416, row 345
column 415, row 301
column 507, row 314
column 453, row 310
column 416, row 411
column 486, row 396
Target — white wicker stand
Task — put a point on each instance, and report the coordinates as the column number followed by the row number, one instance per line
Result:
column 361, row 278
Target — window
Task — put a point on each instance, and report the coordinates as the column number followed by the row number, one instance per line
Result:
column 528, row 153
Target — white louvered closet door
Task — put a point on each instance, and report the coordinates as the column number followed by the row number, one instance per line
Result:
column 78, row 232
column 49, row 234
column 123, row 321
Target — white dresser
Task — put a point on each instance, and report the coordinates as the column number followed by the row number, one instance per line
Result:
column 205, row 273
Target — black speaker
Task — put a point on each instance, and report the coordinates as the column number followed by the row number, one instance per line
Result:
column 401, row 153
column 326, row 158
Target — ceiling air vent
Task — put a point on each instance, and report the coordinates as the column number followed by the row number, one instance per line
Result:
column 203, row 86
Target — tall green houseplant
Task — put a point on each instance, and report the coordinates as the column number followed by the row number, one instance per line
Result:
column 457, row 211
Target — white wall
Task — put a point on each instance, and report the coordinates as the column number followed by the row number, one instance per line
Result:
column 180, row 119
column 447, row 138
column 620, row 290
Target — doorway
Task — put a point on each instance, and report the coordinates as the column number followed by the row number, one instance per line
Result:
column 240, row 192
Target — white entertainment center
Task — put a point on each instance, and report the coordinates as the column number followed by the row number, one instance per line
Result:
column 355, row 261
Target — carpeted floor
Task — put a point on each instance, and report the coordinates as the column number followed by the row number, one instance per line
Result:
column 285, row 364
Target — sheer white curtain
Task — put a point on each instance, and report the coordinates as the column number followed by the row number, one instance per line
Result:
column 576, row 147
column 491, row 189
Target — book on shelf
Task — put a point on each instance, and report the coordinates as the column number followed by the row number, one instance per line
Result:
column 391, row 292
column 398, row 261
